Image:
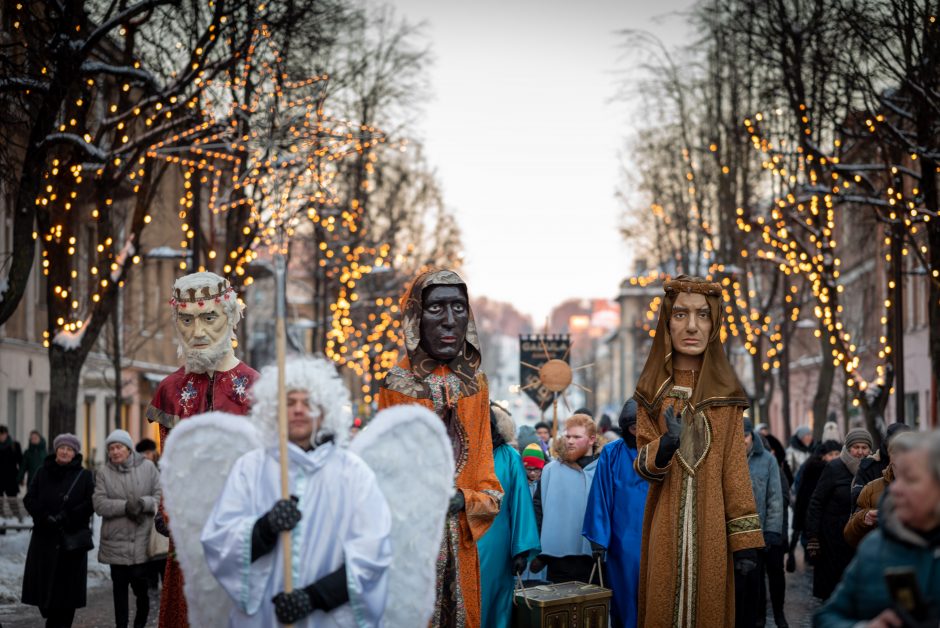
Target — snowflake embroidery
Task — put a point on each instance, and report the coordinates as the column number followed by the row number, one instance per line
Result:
column 240, row 386
column 187, row 396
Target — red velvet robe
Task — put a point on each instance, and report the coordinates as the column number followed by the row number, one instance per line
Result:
column 178, row 397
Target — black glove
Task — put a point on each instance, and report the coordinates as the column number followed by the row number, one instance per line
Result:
column 598, row 552
column 457, row 503
column 669, row 442
column 159, row 523
column 133, row 508
column 773, row 538
column 519, row 563
column 292, row 607
column 281, row 518
column 745, row 561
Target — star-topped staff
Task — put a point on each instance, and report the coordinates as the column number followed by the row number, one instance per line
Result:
column 556, row 375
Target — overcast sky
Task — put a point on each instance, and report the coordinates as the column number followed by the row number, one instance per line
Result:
column 526, row 141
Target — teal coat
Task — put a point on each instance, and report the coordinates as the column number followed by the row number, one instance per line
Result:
column 33, row 458
column 512, row 532
column 862, row 594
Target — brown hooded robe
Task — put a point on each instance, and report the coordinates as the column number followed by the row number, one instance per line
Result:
column 700, row 507
column 458, row 393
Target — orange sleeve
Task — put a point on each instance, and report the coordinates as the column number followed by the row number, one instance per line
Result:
column 481, row 489
column 855, row 530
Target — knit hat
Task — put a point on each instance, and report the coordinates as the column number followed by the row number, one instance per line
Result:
column 858, row 435
column 748, row 426
column 67, row 440
column 533, row 456
column 120, row 436
column 802, row 431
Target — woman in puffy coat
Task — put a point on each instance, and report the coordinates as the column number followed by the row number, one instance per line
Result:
column 59, row 501
column 127, row 491
column 907, row 540
column 829, row 511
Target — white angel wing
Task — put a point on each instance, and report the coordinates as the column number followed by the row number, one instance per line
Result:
column 195, row 463
column 408, row 449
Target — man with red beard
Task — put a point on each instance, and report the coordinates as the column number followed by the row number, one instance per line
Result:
column 205, row 312
column 560, row 501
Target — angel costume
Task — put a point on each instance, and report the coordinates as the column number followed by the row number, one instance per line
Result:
column 185, row 393
column 345, row 526
column 360, row 558
column 457, row 391
column 700, row 507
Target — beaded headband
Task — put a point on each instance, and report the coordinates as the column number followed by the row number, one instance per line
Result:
column 223, row 290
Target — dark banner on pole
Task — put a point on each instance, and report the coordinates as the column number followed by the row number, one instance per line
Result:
column 534, row 351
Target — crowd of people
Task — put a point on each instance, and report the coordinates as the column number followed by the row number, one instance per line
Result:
column 687, row 511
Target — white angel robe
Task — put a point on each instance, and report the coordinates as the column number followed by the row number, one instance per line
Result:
column 345, row 520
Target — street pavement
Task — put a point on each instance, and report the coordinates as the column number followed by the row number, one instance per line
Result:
column 99, row 613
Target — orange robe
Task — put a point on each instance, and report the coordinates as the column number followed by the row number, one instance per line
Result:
column 475, row 478
column 700, row 508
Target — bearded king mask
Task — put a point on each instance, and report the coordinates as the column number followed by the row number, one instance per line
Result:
column 206, row 310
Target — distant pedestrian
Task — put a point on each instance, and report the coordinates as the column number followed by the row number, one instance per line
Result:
column 533, row 461
column 807, row 479
column 513, row 537
column 872, row 467
column 147, row 448
column 59, row 500
column 544, row 431
column 613, row 520
column 829, row 511
column 906, row 541
column 33, row 458
column 127, row 492
column 159, row 545
column 560, row 503
column 750, row 589
column 799, row 450
column 11, row 458
column 775, row 447
column 831, row 431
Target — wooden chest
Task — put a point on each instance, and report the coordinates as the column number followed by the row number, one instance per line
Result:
column 564, row 605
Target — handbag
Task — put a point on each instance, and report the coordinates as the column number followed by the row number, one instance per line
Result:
column 158, row 546
column 80, row 540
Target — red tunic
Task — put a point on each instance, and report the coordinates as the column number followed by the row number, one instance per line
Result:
column 178, row 397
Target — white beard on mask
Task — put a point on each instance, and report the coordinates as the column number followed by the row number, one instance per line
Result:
column 205, row 360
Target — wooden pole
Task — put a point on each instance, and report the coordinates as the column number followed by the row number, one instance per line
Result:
column 280, row 342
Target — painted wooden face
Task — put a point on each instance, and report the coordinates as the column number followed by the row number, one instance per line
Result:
column 445, row 316
column 202, row 327
column 690, row 325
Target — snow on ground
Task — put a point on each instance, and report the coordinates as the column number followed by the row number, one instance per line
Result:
column 13, row 546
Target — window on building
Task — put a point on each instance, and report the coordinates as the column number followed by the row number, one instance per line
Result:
column 912, row 409
column 42, row 414
column 14, row 417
